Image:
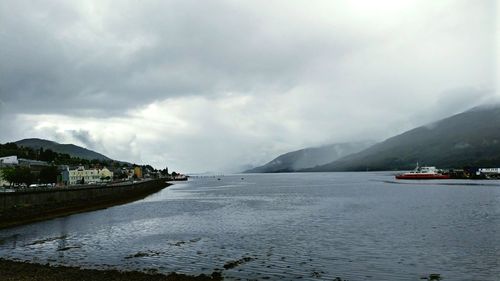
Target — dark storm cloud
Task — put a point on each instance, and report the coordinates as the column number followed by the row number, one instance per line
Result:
column 68, row 57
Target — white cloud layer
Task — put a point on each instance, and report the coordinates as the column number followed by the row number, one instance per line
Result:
column 215, row 85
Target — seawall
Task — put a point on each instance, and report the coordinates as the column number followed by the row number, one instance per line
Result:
column 23, row 207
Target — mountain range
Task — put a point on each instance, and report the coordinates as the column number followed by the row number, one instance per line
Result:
column 309, row 157
column 71, row 149
column 470, row 138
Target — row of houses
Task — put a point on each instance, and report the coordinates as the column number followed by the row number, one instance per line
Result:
column 76, row 175
column 81, row 175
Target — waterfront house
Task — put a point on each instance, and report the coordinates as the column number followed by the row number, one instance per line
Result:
column 138, row 172
column 80, row 175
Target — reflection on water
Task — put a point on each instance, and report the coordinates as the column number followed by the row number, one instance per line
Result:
column 357, row 226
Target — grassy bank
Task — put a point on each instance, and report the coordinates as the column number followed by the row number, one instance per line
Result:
column 23, row 271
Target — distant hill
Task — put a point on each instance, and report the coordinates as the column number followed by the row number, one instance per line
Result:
column 71, row 149
column 471, row 138
column 309, row 157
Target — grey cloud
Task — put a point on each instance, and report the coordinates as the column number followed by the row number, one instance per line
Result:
column 56, row 57
column 83, row 137
column 324, row 72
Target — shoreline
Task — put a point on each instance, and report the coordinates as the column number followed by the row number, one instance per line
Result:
column 26, row 271
column 24, row 215
column 12, row 270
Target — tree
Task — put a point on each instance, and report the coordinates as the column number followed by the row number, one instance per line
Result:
column 49, row 174
column 48, row 155
column 164, row 172
column 18, row 175
column 8, row 174
column 24, row 176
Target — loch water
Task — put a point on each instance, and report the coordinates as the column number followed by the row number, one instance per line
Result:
column 308, row 226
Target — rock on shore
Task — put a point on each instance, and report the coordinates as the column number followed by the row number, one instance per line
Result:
column 24, row 271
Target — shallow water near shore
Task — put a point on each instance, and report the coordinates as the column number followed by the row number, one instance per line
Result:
column 314, row 226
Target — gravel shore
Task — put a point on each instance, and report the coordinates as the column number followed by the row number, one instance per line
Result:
column 23, row 271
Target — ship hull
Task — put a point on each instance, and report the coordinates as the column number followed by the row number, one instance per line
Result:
column 422, row 177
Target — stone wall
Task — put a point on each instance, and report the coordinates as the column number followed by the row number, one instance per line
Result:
column 27, row 206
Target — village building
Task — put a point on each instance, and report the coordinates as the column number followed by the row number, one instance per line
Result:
column 138, row 172
column 490, row 170
column 81, row 175
column 9, row 160
column 492, row 173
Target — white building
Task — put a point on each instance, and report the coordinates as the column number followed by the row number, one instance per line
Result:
column 9, row 160
column 490, row 170
column 81, row 175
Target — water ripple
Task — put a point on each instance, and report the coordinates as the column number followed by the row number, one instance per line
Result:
column 355, row 226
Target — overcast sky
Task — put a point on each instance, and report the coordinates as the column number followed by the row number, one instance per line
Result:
column 215, row 85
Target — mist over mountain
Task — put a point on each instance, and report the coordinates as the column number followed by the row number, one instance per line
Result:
column 71, row 149
column 471, row 138
column 309, row 157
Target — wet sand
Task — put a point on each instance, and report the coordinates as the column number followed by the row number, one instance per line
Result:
column 23, row 271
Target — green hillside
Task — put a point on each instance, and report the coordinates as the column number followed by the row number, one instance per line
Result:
column 471, row 138
column 71, row 149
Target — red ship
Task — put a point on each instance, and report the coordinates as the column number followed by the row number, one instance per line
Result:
column 423, row 173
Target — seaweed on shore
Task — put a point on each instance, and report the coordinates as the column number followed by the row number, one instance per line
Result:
column 233, row 264
column 25, row 271
column 143, row 254
column 180, row 243
column 432, row 277
column 68, row 248
column 50, row 239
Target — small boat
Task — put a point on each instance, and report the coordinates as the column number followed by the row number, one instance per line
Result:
column 423, row 173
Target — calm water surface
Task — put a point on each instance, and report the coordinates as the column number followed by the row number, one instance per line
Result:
column 357, row 226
